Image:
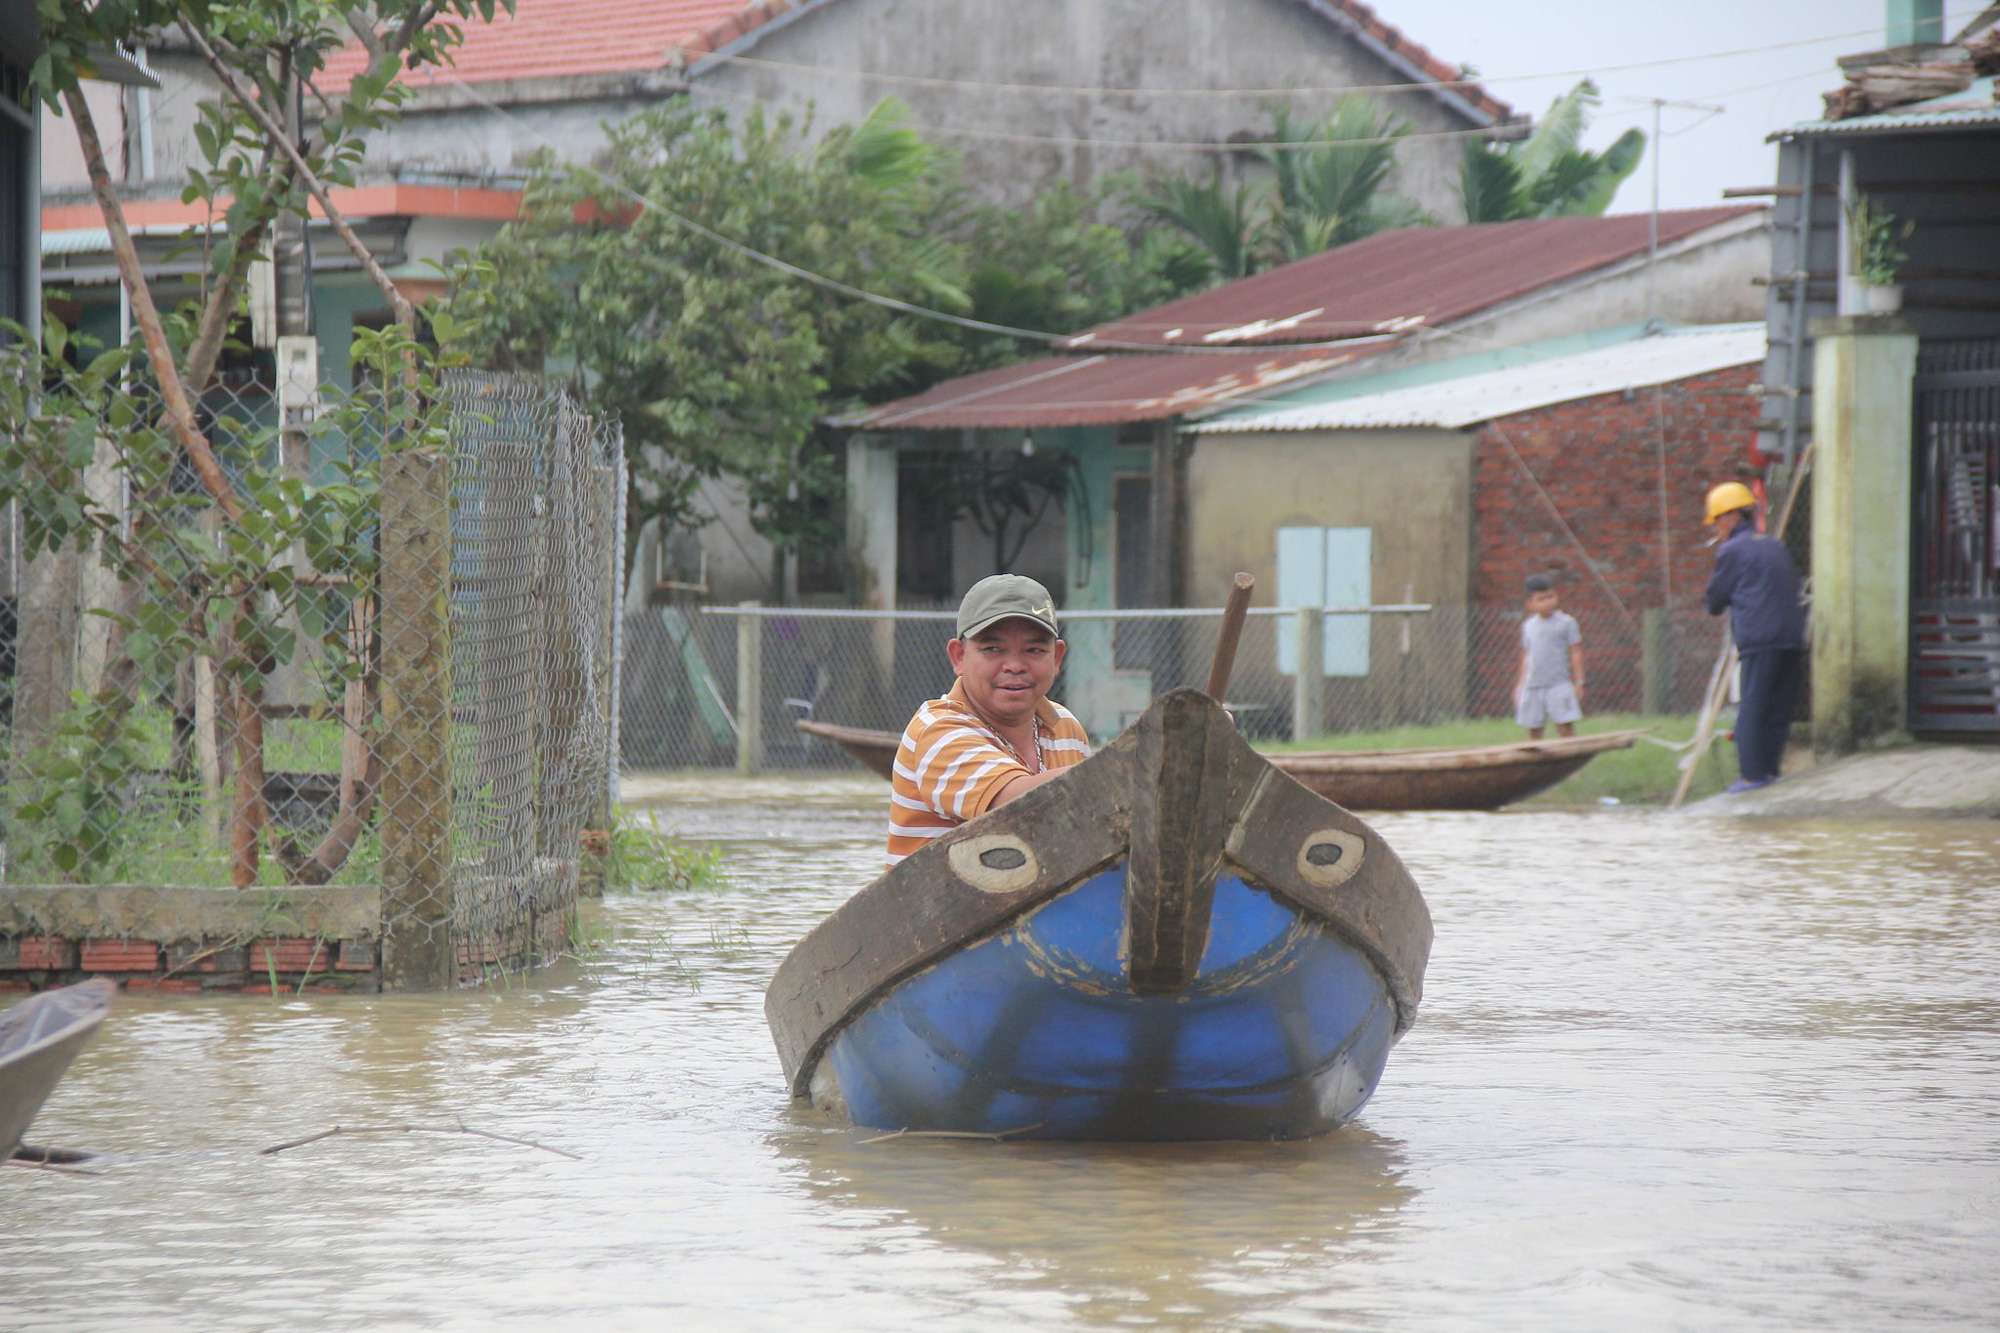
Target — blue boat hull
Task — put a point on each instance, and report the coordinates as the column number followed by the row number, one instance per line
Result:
column 1036, row 1031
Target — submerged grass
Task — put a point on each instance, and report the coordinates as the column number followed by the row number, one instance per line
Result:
column 1646, row 774
column 640, row 855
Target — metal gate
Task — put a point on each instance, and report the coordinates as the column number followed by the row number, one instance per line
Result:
column 1955, row 566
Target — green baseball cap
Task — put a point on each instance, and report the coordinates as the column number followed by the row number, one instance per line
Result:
column 999, row 597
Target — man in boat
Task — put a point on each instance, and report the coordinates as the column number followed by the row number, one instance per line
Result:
column 1755, row 582
column 995, row 735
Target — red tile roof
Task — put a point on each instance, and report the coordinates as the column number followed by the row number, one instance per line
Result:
column 1097, row 390
column 546, row 39
column 549, row 39
column 1401, row 279
column 1374, row 26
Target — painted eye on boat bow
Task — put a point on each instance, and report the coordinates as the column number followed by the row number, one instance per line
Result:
column 996, row 863
column 1329, row 856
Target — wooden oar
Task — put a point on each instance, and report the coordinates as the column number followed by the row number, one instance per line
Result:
column 1233, row 613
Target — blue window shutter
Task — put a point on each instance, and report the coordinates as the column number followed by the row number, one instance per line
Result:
column 1349, row 581
column 1301, row 582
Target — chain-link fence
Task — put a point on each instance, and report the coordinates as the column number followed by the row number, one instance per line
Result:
column 698, row 679
column 391, row 668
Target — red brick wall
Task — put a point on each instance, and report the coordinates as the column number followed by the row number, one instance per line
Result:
column 1598, row 459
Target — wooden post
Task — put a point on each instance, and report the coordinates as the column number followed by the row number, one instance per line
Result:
column 415, row 624
column 749, row 690
column 1656, row 660
column 1309, row 684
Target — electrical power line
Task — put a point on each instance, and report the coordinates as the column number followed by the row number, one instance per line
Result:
column 927, row 81
column 1174, row 145
column 861, row 294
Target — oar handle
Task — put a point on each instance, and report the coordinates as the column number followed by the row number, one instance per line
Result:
column 1233, row 613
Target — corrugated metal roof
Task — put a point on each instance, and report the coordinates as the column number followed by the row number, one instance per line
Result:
column 97, row 240
column 1403, row 279
column 1099, row 390
column 1972, row 108
column 1657, row 359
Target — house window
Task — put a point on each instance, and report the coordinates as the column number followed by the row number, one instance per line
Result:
column 1326, row 567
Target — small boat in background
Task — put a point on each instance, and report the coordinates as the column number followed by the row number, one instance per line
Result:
column 1478, row 777
column 1172, row 941
column 1473, row 777
column 38, row 1039
column 873, row 750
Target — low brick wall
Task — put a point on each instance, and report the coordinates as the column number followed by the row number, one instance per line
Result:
column 191, row 941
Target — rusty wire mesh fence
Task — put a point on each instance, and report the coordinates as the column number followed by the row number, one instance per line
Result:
column 428, row 715
column 689, row 701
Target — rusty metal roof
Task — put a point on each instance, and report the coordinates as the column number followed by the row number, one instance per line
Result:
column 1100, row 390
column 1400, row 280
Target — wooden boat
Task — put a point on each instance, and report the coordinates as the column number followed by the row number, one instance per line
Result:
column 1478, row 777
column 1483, row 777
column 873, row 750
column 38, row 1038
column 1173, row 941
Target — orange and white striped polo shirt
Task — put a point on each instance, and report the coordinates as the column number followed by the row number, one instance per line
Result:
column 951, row 765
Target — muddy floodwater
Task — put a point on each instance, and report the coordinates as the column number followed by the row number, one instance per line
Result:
column 1669, row 1072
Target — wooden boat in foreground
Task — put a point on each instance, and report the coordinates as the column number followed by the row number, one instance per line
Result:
column 1173, row 941
column 1481, row 777
column 38, row 1039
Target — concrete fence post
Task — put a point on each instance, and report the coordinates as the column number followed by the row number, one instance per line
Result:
column 1309, row 685
column 1864, row 370
column 416, row 796
column 1656, row 661
column 749, row 690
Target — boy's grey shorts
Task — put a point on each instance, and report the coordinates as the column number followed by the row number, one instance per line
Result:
column 1551, row 703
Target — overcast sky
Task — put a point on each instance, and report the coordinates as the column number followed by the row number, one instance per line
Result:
column 1700, row 152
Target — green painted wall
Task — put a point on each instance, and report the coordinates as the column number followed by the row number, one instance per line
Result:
column 1863, row 369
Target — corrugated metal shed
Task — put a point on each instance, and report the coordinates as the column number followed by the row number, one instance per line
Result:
column 1403, row 279
column 1099, row 390
column 1659, row 359
column 1971, row 109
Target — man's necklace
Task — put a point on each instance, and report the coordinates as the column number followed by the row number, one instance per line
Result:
column 1035, row 767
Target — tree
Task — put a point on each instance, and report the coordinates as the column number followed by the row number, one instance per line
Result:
column 1326, row 187
column 717, row 364
column 1548, row 174
column 230, row 598
column 635, row 275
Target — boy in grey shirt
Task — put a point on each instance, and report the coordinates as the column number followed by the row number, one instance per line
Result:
column 1550, row 686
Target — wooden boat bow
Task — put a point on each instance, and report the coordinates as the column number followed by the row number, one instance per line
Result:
column 1178, row 795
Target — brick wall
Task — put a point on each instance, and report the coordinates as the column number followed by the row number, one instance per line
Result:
column 1598, row 460
column 290, row 963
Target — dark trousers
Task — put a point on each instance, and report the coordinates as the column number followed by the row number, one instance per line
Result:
column 1770, row 690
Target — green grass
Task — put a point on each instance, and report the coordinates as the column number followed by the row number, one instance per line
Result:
column 1642, row 775
column 291, row 745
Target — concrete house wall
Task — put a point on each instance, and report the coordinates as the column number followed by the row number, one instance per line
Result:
column 1188, row 44
column 1411, row 487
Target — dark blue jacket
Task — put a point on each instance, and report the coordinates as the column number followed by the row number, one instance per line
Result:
column 1754, row 580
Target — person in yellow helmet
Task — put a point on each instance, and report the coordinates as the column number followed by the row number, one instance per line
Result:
column 1754, row 581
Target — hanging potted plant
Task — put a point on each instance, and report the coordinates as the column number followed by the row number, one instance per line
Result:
column 1875, row 253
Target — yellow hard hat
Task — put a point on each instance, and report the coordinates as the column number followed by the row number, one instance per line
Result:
column 1727, row 498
